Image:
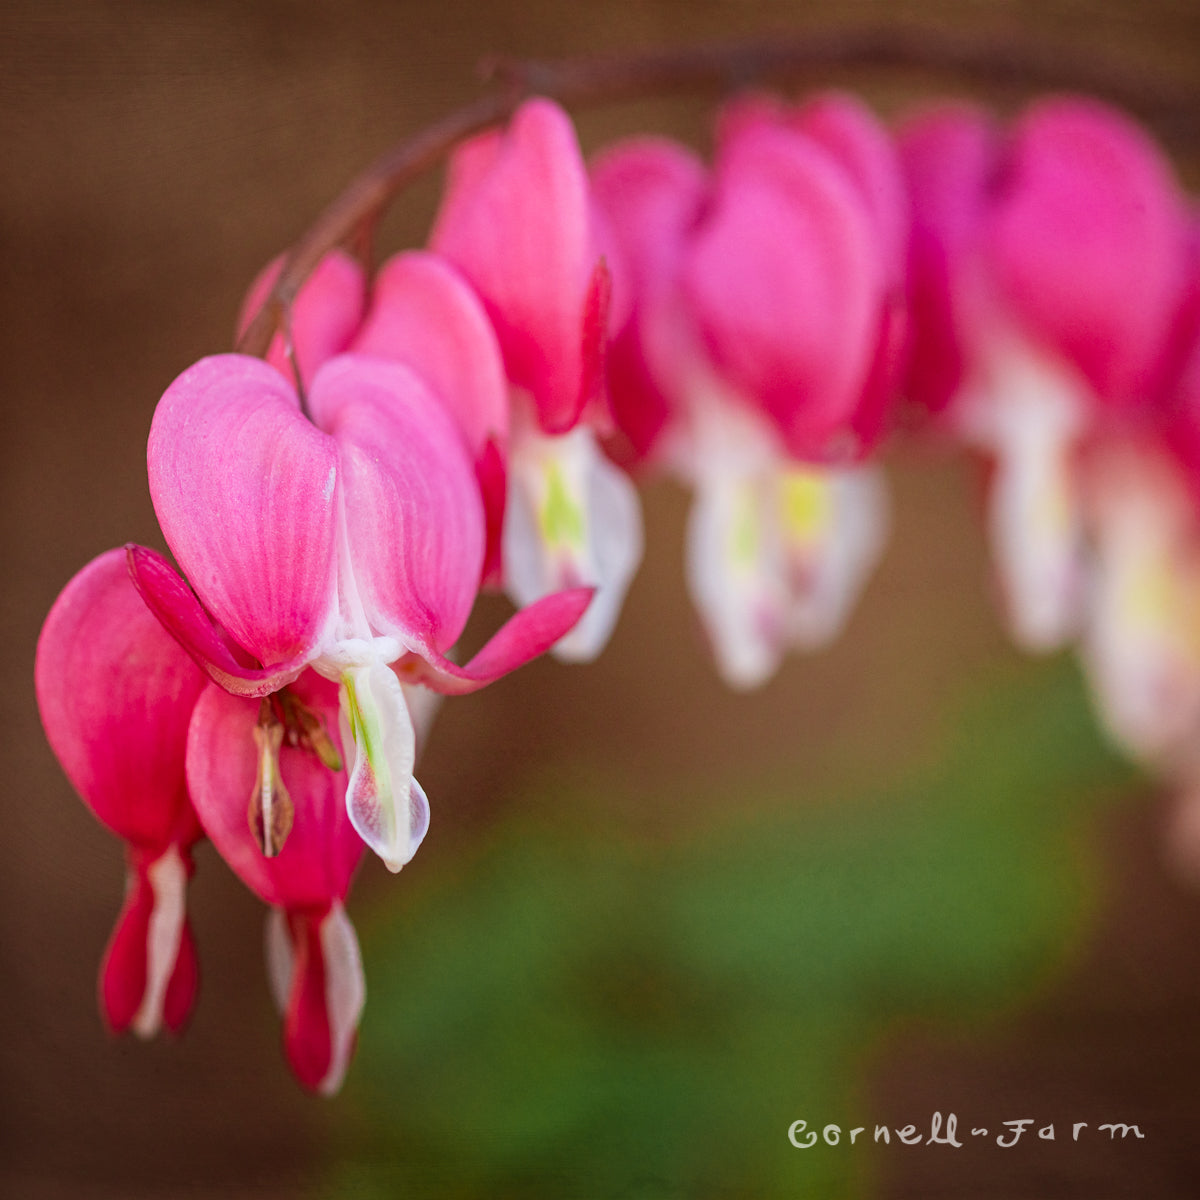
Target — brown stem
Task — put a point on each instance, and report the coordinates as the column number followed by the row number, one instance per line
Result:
column 580, row 82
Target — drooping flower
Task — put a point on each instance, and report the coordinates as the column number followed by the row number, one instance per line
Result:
column 519, row 222
column 1047, row 267
column 116, row 694
column 313, row 959
column 350, row 542
column 761, row 357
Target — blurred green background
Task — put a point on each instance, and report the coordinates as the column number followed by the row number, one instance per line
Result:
column 654, row 923
column 570, row 1009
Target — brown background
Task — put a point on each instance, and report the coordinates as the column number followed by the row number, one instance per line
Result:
column 152, row 157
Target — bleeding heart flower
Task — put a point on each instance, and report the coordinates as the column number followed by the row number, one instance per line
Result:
column 519, row 222
column 116, row 694
column 349, row 542
column 313, row 958
column 1046, row 271
column 761, row 357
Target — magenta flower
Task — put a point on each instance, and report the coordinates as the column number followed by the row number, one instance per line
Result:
column 519, row 222
column 116, row 694
column 1047, row 268
column 312, row 952
column 761, row 356
column 352, row 542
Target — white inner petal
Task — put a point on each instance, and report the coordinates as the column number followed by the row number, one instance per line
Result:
column 277, row 944
column 345, row 993
column 1142, row 641
column 572, row 519
column 1028, row 412
column 834, row 525
column 168, row 879
column 734, row 577
column 377, row 733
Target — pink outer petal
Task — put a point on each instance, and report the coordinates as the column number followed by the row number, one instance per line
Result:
column 1087, row 242
column 307, row 1035
column 850, row 132
column 413, row 513
column 1181, row 382
column 184, row 983
column 425, row 315
column 531, row 632
column 183, row 617
column 847, row 129
column 650, row 191
column 491, row 473
column 516, row 221
column 116, row 694
column 786, row 282
column 246, row 491
column 317, row 861
column 325, row 316
column 948, row 154
column 874, row 416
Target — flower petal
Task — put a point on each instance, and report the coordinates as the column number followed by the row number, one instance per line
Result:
column 317, row 861
column 150, row 957
column 1141, row 645
column 345, row 994
column 326, row 314
column 116, row 694
column 307, row 1035
column 325, row 999
column 175, row 605
column 425, row 315
column 389, row 812
column 245, row 489
column 834, row 525
column 1087, row 216
column 734, row 558
column 852, row 135
column 948, row 154
column 413, row 519
column 573, row 519
column 785, row 278
column 1027, row 412
column 734, row 578
column 516, row 220
column 650, row 191
column 530, row 632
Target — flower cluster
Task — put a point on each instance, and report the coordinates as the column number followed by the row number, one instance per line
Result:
column 760, row 326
